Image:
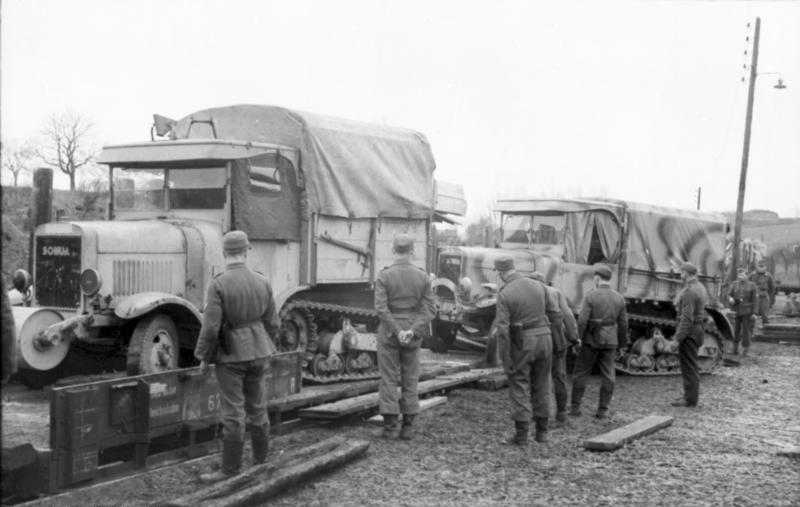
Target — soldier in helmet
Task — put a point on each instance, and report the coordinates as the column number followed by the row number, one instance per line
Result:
column 766, row 290
column 526, row 348
column 743, row 299
column 691, row 315
column 239, row 323
column 603, row 326
column 563, row 329
column 405, row 306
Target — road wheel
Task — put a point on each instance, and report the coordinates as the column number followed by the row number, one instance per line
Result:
column 154, row 346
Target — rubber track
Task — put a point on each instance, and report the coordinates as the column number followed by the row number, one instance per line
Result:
column 332, row 308
column 671, row 324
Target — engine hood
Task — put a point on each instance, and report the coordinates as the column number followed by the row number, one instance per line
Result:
column 151, row 236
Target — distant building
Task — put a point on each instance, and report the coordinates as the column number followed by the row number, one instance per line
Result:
column 760, row 215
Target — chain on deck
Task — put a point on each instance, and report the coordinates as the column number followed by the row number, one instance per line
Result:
column 670, row 323
column 346, row 311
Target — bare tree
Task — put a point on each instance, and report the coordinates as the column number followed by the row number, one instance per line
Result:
column 17, row 158
column 66, row 144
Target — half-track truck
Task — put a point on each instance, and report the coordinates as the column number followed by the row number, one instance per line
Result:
column 320, row 198
column 643, row 245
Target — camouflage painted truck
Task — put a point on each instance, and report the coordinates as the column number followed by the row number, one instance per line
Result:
column 320, row 198
column 643, row 245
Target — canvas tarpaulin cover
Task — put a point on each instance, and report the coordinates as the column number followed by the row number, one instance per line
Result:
column 660, row 239
column 350, row 169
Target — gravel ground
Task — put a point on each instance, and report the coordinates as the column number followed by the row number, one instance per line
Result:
column 720, row 453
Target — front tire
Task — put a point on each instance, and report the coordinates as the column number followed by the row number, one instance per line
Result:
column 154, row 346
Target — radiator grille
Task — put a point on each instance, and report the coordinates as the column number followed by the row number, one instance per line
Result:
column 134, row 276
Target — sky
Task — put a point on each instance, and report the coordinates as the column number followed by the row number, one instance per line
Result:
column 641, row 101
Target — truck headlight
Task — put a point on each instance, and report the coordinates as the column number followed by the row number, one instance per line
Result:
column 91, row 282
column 22, row 281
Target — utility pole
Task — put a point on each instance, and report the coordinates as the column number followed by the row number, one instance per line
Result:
column 699, row 191
column 737, row 227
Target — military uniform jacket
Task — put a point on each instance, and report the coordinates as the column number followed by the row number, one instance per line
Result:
column 603, row 314
column 745, row 295
column 691, row 310
column 522, row 300
column 765, row 284
column 9, row 335
column 403, row 298
column 243, row 299
column 558, row 310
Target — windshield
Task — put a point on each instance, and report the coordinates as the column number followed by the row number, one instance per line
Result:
column 537, row 229
column 163, row 189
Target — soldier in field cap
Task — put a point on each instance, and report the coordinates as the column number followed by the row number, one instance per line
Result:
column 691, row 315
column 239, row 324
column 526, row 348
column 405, row 306
column 766, row 291
column 603, row 328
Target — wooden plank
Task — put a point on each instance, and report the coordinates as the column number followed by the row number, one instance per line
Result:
column 367, row 401
column 425, row 404
column 493, row 383
column 617, row 438
column 291, row 476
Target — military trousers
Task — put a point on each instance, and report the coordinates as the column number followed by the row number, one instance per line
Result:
column 529, row 380
column 559, row 376
column 243, row 398
column 743, row 326
column 588, row 356
column 763, row 307
column 398, row 366
column 690, row 368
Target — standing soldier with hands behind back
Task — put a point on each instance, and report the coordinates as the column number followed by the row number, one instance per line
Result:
column 238, row 323
column 603, row 325
column 766, row 290
column 405, row 306
column 691, row 315
column 526, row 348
column 743, row 299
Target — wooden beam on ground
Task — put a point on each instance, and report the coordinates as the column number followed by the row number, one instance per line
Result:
column 255, row 473
column 425, row 404
column 617, row 438
column 287, row 477
column 369, row 401
column 493, row 382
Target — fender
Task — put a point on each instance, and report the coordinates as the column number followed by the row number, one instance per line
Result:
column 722, row 323
column 284, row 296
column 137, row 305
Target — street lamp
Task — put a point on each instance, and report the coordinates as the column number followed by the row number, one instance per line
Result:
column 737, row 230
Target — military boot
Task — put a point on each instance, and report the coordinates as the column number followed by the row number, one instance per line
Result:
column 520, row 436
column 231, row 463
column 541, row 430
column 745, row 350
column 407, row 431
column 260, row 442
column 390, row 427
column 561, row 417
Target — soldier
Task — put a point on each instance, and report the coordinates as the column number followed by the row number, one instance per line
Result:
column 603, row 327
column 9, row 338
column 766, row 290
column 743, row 299
column 405, row 306
column 526, row 347
column 563, row 329
column 691, row 315
column 239, row 322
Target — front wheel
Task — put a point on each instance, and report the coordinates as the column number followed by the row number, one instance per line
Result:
column 154, row 346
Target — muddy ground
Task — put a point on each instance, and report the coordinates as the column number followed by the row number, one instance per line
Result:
column 720, row 453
